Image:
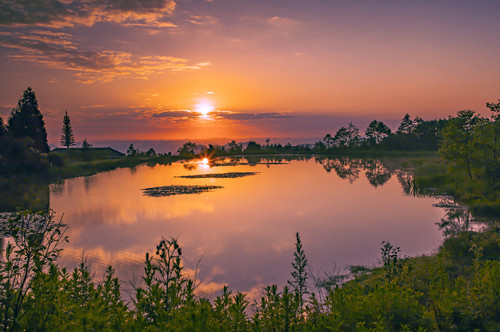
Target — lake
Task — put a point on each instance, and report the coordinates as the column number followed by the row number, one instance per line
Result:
column 243, row 234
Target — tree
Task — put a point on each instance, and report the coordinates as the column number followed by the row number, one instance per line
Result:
column 495, row 120
column 407, row 125
column 347, row 136
column 252, row 147
column 328, row 141
column 131, row 150
column 86, row 145
column 187, row 149
column 457, row 144
column 234, row 148
column 377, row 131
column 67, row 138
column 26, row 121
column 3, row 130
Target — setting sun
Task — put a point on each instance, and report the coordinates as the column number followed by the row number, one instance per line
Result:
column 204, row 108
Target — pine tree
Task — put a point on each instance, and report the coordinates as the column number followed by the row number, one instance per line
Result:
column 26, row 121
column 407, row 125
column 67, row 138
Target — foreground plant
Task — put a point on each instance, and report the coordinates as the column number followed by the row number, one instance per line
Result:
column 33, row 243
column 457, row 289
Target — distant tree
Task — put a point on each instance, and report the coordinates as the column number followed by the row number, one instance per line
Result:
column 407, row 125
column 86, row 145
column 328, row 141
column 187, row 149
column 319, row 146
column 151, row 152
column 377, row 131
column 234, row 148
column 347, row 136
column 215, row 150
column 67, row 138
column 26, row 121
column 131, row 150
column 252, row 147
column 427, row 133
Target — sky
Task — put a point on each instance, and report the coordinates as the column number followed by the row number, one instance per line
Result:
column 199, row 69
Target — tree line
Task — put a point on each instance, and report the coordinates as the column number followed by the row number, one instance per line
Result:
column 412, row 135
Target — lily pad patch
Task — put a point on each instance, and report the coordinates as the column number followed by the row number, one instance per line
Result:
column 218, row 175
column 177, row 190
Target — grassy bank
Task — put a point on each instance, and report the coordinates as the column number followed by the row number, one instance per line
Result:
column 86, row 168
column 77, row 162
column 433, row 177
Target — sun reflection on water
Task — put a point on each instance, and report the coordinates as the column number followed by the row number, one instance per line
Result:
column 204, row 164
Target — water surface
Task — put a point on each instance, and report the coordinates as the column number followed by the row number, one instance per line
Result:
column 244, row 233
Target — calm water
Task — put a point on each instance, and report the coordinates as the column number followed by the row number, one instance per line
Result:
column 244, row 233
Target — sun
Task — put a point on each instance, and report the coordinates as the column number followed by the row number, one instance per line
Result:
column 204, row 108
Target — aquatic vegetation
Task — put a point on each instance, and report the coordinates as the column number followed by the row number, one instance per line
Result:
column 218, row 175
column 247, row 163
column 177, row 190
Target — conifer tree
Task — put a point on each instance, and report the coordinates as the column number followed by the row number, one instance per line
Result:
column 67, row 138
column 26, row 121
column 407, row 125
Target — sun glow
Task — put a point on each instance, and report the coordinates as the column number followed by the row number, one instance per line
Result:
column 204, row 109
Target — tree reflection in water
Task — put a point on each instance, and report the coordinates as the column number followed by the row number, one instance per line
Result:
column 350, row 169
column 376, row 173
column 455, row 221
column 347, row 169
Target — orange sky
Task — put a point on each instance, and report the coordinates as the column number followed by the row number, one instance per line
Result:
column 269, row 68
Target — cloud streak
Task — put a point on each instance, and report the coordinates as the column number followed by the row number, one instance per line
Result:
column 181, row 114
column 58, row 51
column 67, row 13
column 245, row 116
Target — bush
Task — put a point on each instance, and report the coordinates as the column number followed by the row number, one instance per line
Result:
column 55, row 160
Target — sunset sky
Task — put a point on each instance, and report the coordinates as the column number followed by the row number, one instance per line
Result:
column 156, row 69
